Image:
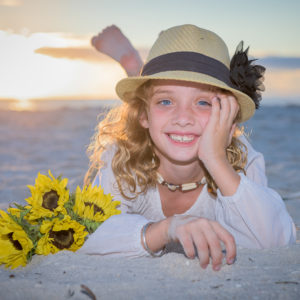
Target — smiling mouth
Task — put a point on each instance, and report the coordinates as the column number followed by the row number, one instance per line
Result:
column 182, row 138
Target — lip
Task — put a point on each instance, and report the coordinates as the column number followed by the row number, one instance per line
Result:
column 184, row 139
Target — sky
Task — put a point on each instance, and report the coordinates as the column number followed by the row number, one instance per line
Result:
column 45, row 48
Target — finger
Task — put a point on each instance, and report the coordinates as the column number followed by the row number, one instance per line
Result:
column 214, row 248
column 214, row 245
column 228, row 240
column 234, row 108
column 187, row 243
column 233, row 127
column 202, row 248
column 215, row 112
column 225, row 110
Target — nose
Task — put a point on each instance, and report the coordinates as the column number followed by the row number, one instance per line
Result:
column 183, row 116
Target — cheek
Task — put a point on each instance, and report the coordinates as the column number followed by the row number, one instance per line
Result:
column 151, row 120
column 157, row 116
column 203, row 118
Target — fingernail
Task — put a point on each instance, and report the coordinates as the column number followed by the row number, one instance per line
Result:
column 217, row 267
column 231, row 261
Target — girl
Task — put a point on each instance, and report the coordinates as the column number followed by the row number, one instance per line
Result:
column 173, row 155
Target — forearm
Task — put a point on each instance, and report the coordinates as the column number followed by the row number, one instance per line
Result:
column 117, row 236
column 256, row 216
column 224, row 175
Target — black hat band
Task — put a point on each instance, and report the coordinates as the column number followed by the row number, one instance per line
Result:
column 188, row 61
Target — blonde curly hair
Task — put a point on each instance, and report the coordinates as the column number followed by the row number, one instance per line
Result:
column 134, row 163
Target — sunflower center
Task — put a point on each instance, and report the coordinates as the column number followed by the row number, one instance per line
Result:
column 62, row 239
column 15, row 243
column 50, row 200
column 96, row 208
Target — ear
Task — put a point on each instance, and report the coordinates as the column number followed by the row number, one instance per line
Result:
column 144, row 120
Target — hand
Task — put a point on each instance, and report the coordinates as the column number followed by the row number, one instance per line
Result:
column 205, row 235
column 219, row 130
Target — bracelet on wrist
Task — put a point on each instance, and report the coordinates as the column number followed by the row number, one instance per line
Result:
column 144, row 243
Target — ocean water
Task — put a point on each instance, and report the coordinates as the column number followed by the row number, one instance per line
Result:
column 53, row 105
column 55, row 136
column 275, row 131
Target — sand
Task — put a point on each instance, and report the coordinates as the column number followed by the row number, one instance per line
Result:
column 257, row 274
column 32, row 142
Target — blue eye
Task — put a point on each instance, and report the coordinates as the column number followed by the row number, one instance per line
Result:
column 203, row 103
column 165, row 102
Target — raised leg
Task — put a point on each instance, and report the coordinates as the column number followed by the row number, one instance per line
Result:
column 112, row 42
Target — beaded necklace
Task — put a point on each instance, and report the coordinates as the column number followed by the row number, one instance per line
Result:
column 182, row 187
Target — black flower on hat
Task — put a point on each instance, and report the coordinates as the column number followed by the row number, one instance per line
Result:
column 246, row 76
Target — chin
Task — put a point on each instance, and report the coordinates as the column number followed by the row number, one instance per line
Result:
column 180, row 159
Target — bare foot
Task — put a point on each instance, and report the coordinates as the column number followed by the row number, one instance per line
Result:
column 112, row 42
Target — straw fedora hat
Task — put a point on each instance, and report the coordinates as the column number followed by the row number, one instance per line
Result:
column 189, row 53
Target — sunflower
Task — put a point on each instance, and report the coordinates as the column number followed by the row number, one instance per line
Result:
column 91, row 203
column 65, row 234
column 14, row 242
column 14, row 211
column 48, row 197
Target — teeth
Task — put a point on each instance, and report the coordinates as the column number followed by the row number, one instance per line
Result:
column 181, row 138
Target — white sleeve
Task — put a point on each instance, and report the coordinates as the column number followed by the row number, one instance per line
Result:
column 255, row 215
column 120, row 235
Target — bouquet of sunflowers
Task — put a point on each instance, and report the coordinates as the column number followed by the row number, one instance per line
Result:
column 53, row 220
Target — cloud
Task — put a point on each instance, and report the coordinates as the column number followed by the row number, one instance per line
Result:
column 81, row 53
column 280, row 62
column 11, row 3
column 282, row 83
column 90, row 54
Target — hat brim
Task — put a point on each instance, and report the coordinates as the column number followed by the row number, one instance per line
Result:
column 130, row 84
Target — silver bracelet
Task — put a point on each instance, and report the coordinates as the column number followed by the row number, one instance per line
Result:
column 144, row 243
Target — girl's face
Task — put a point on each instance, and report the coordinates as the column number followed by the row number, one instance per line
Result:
column 176, row 117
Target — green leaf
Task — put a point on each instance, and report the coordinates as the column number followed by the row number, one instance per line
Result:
column 23, row 213
column 21, row 207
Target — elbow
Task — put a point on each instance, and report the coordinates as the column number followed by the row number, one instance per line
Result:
column 282, row 236
column 288, row 236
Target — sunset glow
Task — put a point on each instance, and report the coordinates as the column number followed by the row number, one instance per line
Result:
column 50, row 56
column 32, row 75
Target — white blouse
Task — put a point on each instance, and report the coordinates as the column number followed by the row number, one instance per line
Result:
column 255, row 215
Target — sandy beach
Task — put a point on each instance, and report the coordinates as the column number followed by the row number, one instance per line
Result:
column 257, row 274
column 33, row 142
